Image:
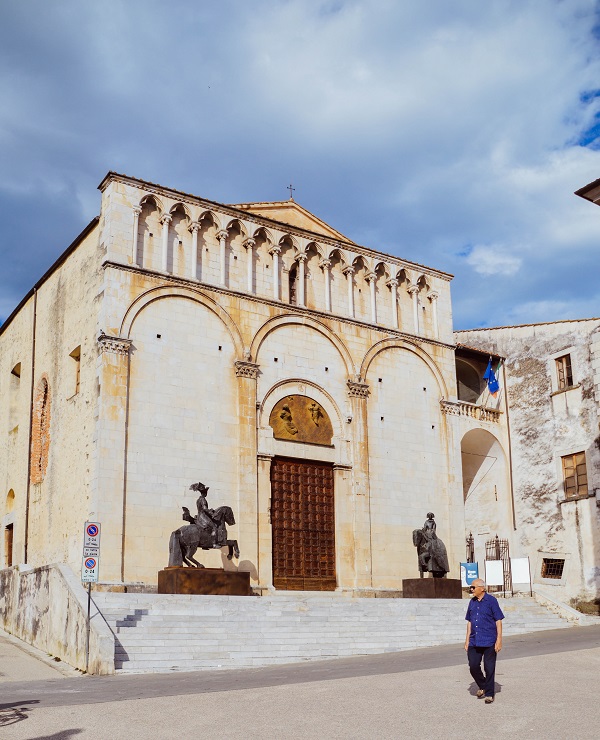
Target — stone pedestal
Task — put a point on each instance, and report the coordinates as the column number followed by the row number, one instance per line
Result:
column 203, row 581
column 431, row 588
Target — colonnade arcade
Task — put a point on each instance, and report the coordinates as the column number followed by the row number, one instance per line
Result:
column 238, row 254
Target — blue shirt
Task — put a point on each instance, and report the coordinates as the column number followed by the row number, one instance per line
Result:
column 483, row 616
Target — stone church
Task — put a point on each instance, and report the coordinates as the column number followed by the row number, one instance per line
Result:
column 309, row 381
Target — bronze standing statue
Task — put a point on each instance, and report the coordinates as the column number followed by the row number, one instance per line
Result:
column 206, row 530
column 431, row 551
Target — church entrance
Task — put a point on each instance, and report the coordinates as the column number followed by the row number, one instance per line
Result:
column 303, row 525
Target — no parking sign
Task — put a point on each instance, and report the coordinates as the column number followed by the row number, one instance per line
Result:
column 90, row 564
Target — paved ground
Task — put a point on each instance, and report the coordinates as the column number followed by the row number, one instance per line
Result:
column 546, row 688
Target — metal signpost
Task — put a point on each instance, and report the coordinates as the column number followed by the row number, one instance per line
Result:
column 90, row 566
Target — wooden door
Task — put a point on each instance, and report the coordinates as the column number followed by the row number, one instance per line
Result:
column 302, row 517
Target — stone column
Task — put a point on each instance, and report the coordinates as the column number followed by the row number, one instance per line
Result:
column 326, row 266
column 194, row 228
column 248, row 512
column 249, row 246
column 371, row 278
column 109, row 486
column 165, row 221
column 433, row 297
column 136, row 222
column 275, row 251
column 222, row 237
column 349, row 272
column 265, row 537
column 301, row 260
column 393, row 286
column 363, row 559
column 414, row 292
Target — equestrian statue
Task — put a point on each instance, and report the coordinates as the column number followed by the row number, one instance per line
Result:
column 207, row 530
column 431, row 551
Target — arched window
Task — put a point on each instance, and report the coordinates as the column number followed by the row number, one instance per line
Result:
column 293, row 282
column 468, row 382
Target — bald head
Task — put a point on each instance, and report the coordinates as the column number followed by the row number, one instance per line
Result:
column 477, row 588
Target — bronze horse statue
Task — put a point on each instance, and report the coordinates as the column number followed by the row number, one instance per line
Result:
column 207, row 531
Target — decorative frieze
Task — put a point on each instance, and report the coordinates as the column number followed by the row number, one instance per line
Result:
column 244, row 369
column 115, row 345
column 358, row 390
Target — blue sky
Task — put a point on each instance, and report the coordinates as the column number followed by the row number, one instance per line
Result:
column 448, row 132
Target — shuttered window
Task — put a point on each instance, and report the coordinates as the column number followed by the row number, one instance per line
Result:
column 575, row 475
column 563, row 372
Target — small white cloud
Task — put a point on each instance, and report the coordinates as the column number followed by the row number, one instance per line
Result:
column 493, row 260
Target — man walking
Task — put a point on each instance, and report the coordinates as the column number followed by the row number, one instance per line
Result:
column 484, row 638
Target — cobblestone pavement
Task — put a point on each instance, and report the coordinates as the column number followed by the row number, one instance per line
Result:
column 545, row 689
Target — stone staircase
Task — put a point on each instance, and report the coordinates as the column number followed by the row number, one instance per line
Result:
column 157, row 632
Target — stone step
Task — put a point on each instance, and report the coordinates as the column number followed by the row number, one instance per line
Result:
column 156, row 632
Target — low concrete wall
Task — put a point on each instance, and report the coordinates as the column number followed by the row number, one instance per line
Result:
column 552, row 603
column 47, row 607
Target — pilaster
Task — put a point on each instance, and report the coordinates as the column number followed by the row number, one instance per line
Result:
column 358, row 393
column 113, row 378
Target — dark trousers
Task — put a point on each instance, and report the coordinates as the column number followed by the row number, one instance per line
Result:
column 488, row 654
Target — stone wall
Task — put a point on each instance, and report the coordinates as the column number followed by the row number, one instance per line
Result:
column 547, row 423
column 47, row 608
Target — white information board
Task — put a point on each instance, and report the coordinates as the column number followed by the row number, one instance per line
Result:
column 520, row 570
column 494, row 573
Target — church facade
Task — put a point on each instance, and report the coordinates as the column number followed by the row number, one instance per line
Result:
column 308, row 381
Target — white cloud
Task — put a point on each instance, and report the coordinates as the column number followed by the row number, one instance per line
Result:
column 416, row 128
column 493, row 260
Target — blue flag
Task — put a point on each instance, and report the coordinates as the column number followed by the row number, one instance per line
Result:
column 490, row 377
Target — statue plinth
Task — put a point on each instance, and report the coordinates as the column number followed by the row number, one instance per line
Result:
column 431, row 588
column 203, row 582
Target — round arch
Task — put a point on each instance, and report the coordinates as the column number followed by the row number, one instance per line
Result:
column 282, row 388
column 164, row 292
column 393, row 343
column 343, row 255
column 288, row 319
column 240, row 224
column 10, row 501
column 147, row 199
column 183, row 207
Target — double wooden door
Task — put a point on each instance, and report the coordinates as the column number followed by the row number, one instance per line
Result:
column 303, row 525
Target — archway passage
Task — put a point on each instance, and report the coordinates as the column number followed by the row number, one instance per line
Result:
column 302, row 515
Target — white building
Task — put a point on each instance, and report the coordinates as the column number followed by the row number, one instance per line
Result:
column 163, row 348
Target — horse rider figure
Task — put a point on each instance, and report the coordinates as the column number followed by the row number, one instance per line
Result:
column 204, row 518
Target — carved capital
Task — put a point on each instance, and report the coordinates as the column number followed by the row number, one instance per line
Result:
column 222, row 234
column 412, row 289
column 249, row 243
column 115, row 345
column 348, row 271
column 194, row 226
column 370, row 277
column 325, row 264
column 433, row 295
column 166, row 218
column 357, row 390
column 392, row 283
column 274, row 249
column 244, row 369
column 301, row 257
column 137, row 210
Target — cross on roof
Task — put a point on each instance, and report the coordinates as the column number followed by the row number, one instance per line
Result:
column 290, row 188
